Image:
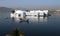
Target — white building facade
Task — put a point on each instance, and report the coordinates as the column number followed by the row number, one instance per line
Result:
column 22, row 14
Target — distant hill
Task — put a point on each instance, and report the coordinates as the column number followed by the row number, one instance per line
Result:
column 5, row 9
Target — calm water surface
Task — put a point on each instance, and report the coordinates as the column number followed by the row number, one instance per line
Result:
column 48, row 26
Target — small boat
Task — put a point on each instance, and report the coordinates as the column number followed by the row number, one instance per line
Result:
column 23, row 20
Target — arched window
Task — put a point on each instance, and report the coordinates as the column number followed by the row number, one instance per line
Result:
column 13, row 11
column 19, row 15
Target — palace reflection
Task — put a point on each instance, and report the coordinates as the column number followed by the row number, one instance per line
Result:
column 37, row 19
column 31, row 19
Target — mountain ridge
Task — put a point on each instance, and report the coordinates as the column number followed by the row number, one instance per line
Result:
column 5, row 9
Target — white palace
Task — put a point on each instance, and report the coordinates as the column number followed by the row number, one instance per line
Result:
column 22, row 14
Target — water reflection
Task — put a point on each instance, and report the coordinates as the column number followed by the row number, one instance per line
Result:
column 20, row 20
column 43, row 19
column 38, row 19
column 30, row 19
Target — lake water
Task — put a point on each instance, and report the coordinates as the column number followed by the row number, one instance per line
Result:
column 48, row 26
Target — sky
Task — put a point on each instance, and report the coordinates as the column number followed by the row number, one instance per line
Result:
column 31, row 4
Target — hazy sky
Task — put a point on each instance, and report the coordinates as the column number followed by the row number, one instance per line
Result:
column 30, row 3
